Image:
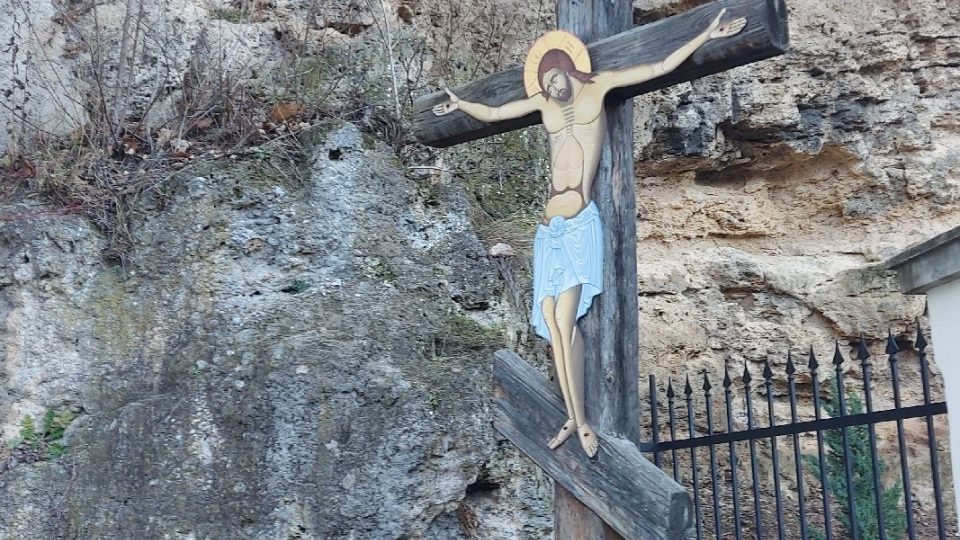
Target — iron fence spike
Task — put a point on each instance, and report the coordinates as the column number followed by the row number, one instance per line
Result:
column 695, row 481
column 837, row 356
column 706, row 382
column 921, row 340
column 726, row 377
column 670, row 393
column 655, row 419
column 791, row 369
column 746, row 374
column 688, row 390
column 813, row 364
column 767, row 372
column 892, row 348
column 862, row 352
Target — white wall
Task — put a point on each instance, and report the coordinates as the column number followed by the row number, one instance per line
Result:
column 944, row 305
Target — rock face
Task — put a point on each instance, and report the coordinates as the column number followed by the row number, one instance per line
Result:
column 770, row 196
column 312, row 360
column 284, row 361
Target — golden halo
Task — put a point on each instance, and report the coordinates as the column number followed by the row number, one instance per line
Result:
column 554, row 39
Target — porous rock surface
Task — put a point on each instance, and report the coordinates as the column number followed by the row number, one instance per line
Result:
column 771, row 195
column 269, row 367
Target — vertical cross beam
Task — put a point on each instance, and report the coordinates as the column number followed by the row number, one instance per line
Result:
column 610, row 328
column 631, row 503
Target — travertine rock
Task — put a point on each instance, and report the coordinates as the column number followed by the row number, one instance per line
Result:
column 271, row 366
column 312, row 361
column 770, row 196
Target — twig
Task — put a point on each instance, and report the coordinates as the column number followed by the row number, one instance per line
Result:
column 123, row 65
column 387, row 39
column 64, row 91
column 23, row 216
column 428, row 168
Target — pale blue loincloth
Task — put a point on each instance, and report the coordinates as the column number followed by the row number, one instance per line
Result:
column 567, row 253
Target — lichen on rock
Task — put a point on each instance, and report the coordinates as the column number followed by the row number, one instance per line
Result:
column 219, row 402
column 308, row 355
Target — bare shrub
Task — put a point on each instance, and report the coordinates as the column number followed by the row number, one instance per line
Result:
column 148, row 111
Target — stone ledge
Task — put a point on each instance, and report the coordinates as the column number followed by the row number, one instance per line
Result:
column 925, row 265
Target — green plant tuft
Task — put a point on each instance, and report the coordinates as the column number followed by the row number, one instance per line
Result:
column 894, row 517
column 28, row 432
column 461, row 334
column 55, row 424
column 297, row 287
column 33, row 444
column 232, row 15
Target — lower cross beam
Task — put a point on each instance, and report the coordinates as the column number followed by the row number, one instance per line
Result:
column 621, row 486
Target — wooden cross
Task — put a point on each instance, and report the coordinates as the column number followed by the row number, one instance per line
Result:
column 619, row 492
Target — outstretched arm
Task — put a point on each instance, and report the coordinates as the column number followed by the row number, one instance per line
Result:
column 513, row 109
column 645, row 72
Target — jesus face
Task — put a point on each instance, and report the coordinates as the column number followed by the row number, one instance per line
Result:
column 557, row 84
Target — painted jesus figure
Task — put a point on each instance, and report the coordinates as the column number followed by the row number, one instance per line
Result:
column 568, row 248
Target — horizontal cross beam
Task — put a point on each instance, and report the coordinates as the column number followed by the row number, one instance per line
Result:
column 764, row 36
column 622, row 487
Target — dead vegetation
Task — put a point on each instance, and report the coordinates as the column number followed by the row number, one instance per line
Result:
column 155, row 103
column 155, row 94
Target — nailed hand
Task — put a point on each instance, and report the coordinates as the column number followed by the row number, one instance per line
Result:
column 728, row 28
column 447, row 107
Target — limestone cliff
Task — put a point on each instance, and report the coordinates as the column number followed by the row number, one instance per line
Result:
column 282, row 361
column 308, row 356
column 771, row 196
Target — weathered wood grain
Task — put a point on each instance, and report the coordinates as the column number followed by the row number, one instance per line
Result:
column 611, row 368
column 574, row 521
column 764, row 36
column 623, row 488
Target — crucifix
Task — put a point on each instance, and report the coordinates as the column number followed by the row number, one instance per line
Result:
column 586, row 245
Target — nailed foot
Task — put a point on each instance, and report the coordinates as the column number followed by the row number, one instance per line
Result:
column 565, row 432
column 588, row 439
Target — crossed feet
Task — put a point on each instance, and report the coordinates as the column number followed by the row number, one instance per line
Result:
column 588, row 439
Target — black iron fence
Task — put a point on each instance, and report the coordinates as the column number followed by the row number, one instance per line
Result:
column 835, row 482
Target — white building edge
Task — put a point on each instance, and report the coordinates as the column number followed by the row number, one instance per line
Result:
column 933, row 268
